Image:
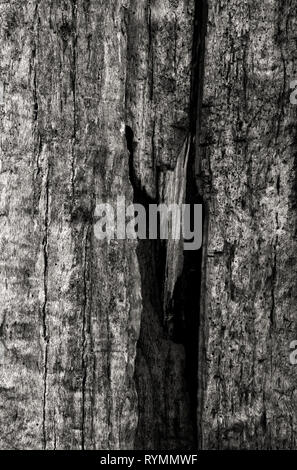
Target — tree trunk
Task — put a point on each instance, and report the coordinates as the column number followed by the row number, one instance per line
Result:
column 113, row 344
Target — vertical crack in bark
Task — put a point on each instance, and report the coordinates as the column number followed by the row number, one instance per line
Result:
column 151, row 50
column 171, row 354
column 276, row 241
column 37, row 182
column 186, row 302
column 274, row 273
column 199, row 37
column 84, row 365
column 44, row 308
column 73, row 82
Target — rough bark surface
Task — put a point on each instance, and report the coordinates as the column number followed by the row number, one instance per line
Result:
column 75, row 75
column 111, row 345
column 247, row 174
column 70, row 306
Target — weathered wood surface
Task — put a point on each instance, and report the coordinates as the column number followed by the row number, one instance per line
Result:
column 70, row 306
column 98, row 348
column 73, row 75
column 248, row 164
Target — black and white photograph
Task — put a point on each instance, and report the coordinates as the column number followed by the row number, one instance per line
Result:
column 148, row 229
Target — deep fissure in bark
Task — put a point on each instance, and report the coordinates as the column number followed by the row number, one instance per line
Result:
column 194, row 271
column 156, row 345
column 152, row 259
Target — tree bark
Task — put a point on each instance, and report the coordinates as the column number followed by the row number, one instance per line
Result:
column 247, row 167
column 126, row 344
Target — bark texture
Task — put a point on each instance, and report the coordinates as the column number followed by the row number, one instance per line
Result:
column 111, row 345
column 70, row 306
column 247, row 174
column 94, row 100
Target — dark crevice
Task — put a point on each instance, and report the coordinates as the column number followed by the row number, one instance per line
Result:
column 44, row 307
column 185, row 312
column 157, row 248
column 151, row 256
column 73, row 84
column 186, row 301
column 200, row 194
column 171, row 422
column 84, row 341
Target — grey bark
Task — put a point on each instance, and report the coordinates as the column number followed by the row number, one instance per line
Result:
column 111, row 345
column 247, row 161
